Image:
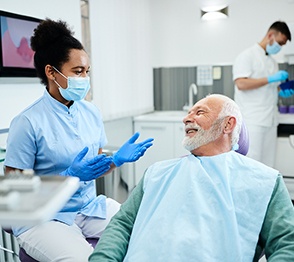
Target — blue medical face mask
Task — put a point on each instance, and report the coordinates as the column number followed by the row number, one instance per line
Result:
column 273, row 49
column 77, row 87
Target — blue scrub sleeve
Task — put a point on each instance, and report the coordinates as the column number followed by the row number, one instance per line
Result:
column 21, row 147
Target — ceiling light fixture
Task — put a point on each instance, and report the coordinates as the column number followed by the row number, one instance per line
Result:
column 214, row 12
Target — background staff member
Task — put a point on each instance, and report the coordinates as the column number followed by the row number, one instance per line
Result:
column 257, row 77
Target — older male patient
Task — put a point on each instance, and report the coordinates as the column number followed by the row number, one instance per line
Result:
column 212, row 205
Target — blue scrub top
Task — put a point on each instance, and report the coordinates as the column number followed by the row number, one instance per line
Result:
column 47, row 136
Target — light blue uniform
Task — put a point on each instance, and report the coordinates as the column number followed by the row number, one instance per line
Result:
column 47, row 136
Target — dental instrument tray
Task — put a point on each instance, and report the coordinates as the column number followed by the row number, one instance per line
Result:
column 18, row 181
column 31, row 199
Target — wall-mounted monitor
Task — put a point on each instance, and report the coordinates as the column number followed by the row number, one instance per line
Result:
column 16, row 55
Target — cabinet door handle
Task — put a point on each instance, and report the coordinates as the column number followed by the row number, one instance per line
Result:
column 291, row 139
column 153, row 127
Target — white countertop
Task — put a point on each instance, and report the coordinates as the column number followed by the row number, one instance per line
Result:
column 162, row 116
column 286, row 118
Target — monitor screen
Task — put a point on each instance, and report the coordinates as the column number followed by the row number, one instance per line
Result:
column 17, row 57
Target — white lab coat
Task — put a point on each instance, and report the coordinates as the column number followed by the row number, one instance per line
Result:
column 258, row 106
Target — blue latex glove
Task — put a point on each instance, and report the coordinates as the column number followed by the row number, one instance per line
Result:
column 130, row 152
column 90, row 169
column 286, row 93
column 281, row 75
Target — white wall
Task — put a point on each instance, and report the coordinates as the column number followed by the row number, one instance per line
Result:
column 180, row 38
column 130, row 37
column 16, row 94
column 121, row 69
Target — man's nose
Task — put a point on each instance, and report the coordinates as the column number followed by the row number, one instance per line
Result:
column 187, row 118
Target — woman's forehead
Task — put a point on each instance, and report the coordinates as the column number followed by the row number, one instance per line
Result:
column 79, row 57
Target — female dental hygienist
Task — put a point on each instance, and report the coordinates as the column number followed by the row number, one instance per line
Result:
column 62, row 134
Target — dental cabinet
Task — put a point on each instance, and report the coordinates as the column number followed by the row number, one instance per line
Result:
column 285, row 145
column 167, row 129
column 285, row 150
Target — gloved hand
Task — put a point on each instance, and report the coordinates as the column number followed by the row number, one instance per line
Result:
column 286, row 93
column 281, row 75
column 130, row 152
column 87, row 170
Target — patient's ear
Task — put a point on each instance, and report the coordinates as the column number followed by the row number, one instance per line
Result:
column 230, row 125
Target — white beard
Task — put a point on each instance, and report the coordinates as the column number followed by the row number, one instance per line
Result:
column 202, row 137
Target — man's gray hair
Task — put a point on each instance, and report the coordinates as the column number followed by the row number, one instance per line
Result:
column 230, row 108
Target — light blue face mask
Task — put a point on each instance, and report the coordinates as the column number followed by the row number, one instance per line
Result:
column 273, row 49
column 77, row 87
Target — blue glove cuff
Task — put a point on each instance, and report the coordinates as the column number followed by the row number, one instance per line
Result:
column 64, row 173
column 116, row 161
column 271, row 79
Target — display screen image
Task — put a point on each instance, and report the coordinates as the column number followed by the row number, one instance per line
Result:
column 17, row 57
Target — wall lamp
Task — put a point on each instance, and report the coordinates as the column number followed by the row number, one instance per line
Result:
column 214, row 13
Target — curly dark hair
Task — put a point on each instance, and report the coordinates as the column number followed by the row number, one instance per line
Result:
column 52, row 42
